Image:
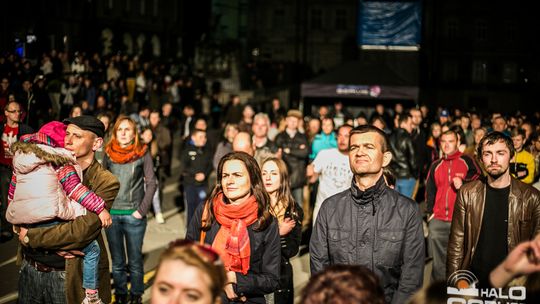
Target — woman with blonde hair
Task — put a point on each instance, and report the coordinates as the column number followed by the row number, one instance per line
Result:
column 289, row 216
column 236, row 222
column 130, row 161
column 188, row 273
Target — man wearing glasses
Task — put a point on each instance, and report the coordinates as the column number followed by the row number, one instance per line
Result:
column 11, row 130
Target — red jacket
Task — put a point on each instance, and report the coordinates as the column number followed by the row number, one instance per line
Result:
column 440, row 190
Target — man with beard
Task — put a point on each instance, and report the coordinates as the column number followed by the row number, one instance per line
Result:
column 491, row 216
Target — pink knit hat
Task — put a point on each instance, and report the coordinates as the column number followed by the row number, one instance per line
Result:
column 56, row 131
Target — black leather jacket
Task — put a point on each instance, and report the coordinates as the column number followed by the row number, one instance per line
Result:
column 377, row 228
column 294, row 152
column 404, row 161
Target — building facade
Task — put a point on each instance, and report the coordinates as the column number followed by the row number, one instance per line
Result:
column 479, row 55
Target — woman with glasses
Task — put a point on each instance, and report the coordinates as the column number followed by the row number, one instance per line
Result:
column 11, row 129
column 236, row 222
column 188, row 273
column 289, row 216
column 130, row 161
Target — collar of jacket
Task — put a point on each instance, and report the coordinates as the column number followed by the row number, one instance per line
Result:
column 370, row 195
column 453, row 156
column 90, row 172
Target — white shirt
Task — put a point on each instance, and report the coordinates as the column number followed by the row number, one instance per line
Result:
column 335, row 175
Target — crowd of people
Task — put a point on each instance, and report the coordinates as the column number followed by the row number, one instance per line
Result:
column 382, row 191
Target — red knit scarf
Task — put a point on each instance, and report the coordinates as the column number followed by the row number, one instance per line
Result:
column 232, row 239
column 125, row 155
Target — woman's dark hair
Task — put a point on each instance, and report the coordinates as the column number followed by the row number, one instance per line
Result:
column 460, row 134
column 342, row 284
column 379, row 118
column 284, row 192
column 257, row 189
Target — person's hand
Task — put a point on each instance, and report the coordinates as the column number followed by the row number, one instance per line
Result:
column 229, row 291
column 105, row 218
column 70, row 254
column 137, row 215
column 522, row 260
column 458, row 182
column 430, row 216
column 311, row 175
column 286, row 227
column 199, row 177
column 22, row 233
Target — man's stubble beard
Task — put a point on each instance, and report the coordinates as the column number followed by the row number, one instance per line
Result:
column 499, row 174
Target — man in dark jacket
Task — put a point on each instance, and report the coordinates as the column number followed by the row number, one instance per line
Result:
column 196, row 162
column 493, row 215
column 419, row 137
column 294, row 151
column 404, row 162
column 371, row 224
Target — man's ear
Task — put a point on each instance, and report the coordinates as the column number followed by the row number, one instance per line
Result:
column 98, row 142
column 387, row 158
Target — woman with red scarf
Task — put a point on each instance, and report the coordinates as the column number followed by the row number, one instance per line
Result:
column 236, row 222
column 130, row 161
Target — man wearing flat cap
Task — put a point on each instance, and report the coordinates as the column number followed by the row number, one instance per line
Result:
column 51, row 270
column 294, row 151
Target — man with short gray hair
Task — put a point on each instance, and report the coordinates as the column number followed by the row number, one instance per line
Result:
column 371, row 224
column 264, row 147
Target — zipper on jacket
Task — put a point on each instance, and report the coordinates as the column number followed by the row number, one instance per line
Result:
column 373, row 242
column 448, row 189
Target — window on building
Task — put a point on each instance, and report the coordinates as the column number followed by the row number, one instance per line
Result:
column 509, row 72
column 110, row 4
column 155, row 7
column 175, row 11
column 278, row 18
column 142, row 7
column 316, row 19
column 479, row 71
column 450, row 70
column 341, row 19
column 452, row 28
column 510, row 29
column 481, row 30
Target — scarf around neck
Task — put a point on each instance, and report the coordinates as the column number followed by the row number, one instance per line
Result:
column 125, row 155
column 232, row 239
